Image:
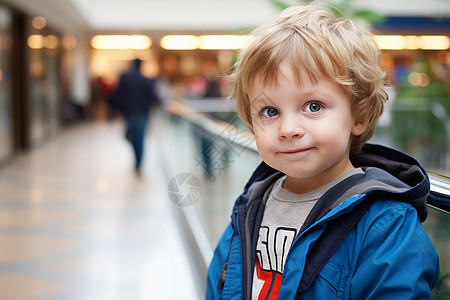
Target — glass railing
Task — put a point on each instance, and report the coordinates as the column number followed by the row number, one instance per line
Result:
column 218, row 157
column 420, row 127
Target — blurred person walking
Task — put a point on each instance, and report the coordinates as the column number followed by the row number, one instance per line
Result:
column 135, row 96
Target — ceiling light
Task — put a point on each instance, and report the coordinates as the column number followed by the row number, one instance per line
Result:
column 412, row 42
column 435, row 42
column 179, row 42
column 121, row 42
column 390, row 42
column 222, row 42
column 35, row 41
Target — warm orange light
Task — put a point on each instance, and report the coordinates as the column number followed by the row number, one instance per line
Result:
column 179, row 42
column 222, row 42
column 418, row 79
column 50, row 42
column 435, row 42
column 121, row 42
column 390, row 42
column 35, row 41
column 412, row 42
column 204, row 42
column 39, row 22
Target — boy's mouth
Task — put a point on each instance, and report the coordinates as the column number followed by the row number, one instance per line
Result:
column 294, row 151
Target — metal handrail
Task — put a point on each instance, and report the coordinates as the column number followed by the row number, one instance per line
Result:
column 440, row 184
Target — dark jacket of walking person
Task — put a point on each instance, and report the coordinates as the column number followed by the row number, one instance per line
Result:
column 135, row 96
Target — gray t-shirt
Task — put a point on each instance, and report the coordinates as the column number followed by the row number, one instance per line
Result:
column 284, row 215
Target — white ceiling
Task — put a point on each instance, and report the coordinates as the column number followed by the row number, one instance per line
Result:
column 87, row 16
column 145, row 15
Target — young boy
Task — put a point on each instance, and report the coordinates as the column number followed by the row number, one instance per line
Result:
column 325, row 216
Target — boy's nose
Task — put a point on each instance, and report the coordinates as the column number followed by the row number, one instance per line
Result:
column 290, row 128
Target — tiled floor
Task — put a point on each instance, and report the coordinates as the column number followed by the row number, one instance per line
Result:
column 77, row 224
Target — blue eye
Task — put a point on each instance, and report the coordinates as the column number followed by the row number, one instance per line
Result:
column 270, row 112
column 313, row 107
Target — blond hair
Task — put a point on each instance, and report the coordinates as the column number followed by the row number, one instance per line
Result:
column 314, row 40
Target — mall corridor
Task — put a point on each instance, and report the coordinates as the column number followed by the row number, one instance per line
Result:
column 76, row 223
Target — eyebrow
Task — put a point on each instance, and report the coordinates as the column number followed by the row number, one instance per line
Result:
column 257, row 100
column 260, row 102
column 261, row 96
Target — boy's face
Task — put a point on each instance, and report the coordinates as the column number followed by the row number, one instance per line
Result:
column 304, row 130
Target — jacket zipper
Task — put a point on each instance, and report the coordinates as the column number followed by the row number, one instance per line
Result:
column 244, row 233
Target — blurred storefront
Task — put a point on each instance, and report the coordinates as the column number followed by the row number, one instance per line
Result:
column 34, row 85
column 44, row 54
column 6, row 146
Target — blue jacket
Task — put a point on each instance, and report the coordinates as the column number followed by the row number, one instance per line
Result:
column 386, row 255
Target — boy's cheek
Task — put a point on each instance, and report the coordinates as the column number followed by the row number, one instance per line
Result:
column 256, row 125
column 258, row 130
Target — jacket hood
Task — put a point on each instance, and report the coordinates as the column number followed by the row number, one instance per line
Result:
column 388, row 173
column 411, row 177
column 400, row 165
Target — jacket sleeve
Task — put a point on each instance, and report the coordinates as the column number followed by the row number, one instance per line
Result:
column 213, row 291
column 398, row 260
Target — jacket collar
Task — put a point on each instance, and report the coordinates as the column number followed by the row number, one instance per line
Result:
column 388, row 173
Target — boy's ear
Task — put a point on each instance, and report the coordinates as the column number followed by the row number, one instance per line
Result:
column 359, row 126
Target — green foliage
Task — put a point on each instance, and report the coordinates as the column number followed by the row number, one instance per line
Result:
column 370, row 16
column 279, row 4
